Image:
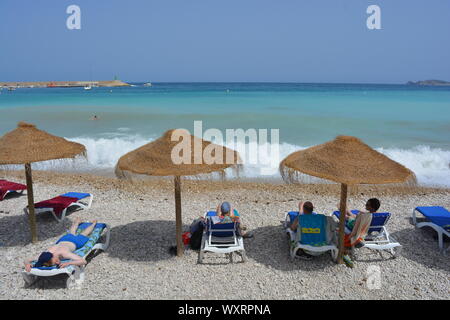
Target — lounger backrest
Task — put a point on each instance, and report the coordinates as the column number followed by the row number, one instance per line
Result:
column 221, row 230
column 313, row 229
column 379, row 220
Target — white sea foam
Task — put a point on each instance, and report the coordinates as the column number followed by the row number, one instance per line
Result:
column 431, row 165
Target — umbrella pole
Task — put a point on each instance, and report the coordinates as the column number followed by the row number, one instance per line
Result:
column 180, row 245
column 31, row 214
column 343, row 210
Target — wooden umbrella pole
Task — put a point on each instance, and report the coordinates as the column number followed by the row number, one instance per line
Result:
column 180, row 245
column 31, row 214
column 343, row 210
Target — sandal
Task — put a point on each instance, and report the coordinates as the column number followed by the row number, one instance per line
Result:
column 348, row 262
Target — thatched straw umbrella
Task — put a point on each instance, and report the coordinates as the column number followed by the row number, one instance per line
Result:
column 27, row 144
column 348, row 161
column 177, row 153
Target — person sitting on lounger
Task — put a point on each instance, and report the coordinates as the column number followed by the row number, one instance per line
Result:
column 357, row 226
column 63, row 249
column 227, row 215
column 303, row 208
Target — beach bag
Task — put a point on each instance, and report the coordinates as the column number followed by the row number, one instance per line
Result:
column 186, row 238
column 196, row 234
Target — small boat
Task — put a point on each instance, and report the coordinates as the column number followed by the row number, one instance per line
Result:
column 148, row 84
column 11, row 88
column 87, row 88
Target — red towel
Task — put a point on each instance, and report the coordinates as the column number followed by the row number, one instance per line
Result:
column 58, row 204
column 6, row 186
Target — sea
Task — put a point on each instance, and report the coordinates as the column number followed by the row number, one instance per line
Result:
column 408, row 123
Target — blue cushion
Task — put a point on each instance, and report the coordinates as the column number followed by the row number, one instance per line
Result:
column 437, row 215
column 77, row 195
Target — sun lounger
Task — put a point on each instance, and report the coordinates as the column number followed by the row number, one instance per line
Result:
column 437, row 218
column 75, row 273
column 221, row 238
column 378, row 237
column 58, row 205
column 10, row 187
column 314, row 235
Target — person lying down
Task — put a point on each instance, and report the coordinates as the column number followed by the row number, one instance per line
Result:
column 63, row 249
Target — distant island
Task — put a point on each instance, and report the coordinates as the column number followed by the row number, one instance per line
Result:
column 429, row 83
column 63, row 84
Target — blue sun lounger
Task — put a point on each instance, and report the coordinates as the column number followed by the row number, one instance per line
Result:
column 316, row 234
column 378, row 237
column 221, row 238
column 75, row 273
column 437, row 218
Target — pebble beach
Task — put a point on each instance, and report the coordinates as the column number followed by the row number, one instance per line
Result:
column 141, row 215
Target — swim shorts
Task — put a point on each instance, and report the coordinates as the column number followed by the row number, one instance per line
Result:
column 78, row 240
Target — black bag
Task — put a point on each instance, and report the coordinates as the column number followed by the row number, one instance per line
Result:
column 196, row 234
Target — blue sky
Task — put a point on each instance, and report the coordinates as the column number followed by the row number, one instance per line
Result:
column 225, row 40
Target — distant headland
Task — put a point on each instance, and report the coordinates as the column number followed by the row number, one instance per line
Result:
column 429, row 83
column 63, row 84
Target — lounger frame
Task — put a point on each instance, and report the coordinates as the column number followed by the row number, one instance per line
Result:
column 75, row 273
column 223, row 245
column 294, row 245
column 440, row 231
column 84, row 203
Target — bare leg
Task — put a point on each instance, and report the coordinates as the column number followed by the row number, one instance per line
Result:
column 74, row 227
column 86, row 232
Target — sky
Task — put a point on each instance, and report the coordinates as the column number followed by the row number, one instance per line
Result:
column 225, row 41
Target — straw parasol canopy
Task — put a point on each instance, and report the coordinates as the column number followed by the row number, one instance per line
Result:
column 177, row 153
column 157, row 158
column 27, row 144
column 346, row 160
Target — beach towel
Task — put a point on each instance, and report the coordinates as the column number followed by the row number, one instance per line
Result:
column 6, row 186
column 58, row 203
column 360, row 229
column 313, row 229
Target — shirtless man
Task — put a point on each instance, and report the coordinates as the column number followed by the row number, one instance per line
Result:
column 63, row 249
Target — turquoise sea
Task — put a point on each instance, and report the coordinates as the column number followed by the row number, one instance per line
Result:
column 410, row 124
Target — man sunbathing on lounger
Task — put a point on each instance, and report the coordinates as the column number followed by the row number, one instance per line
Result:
column 63, row 249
